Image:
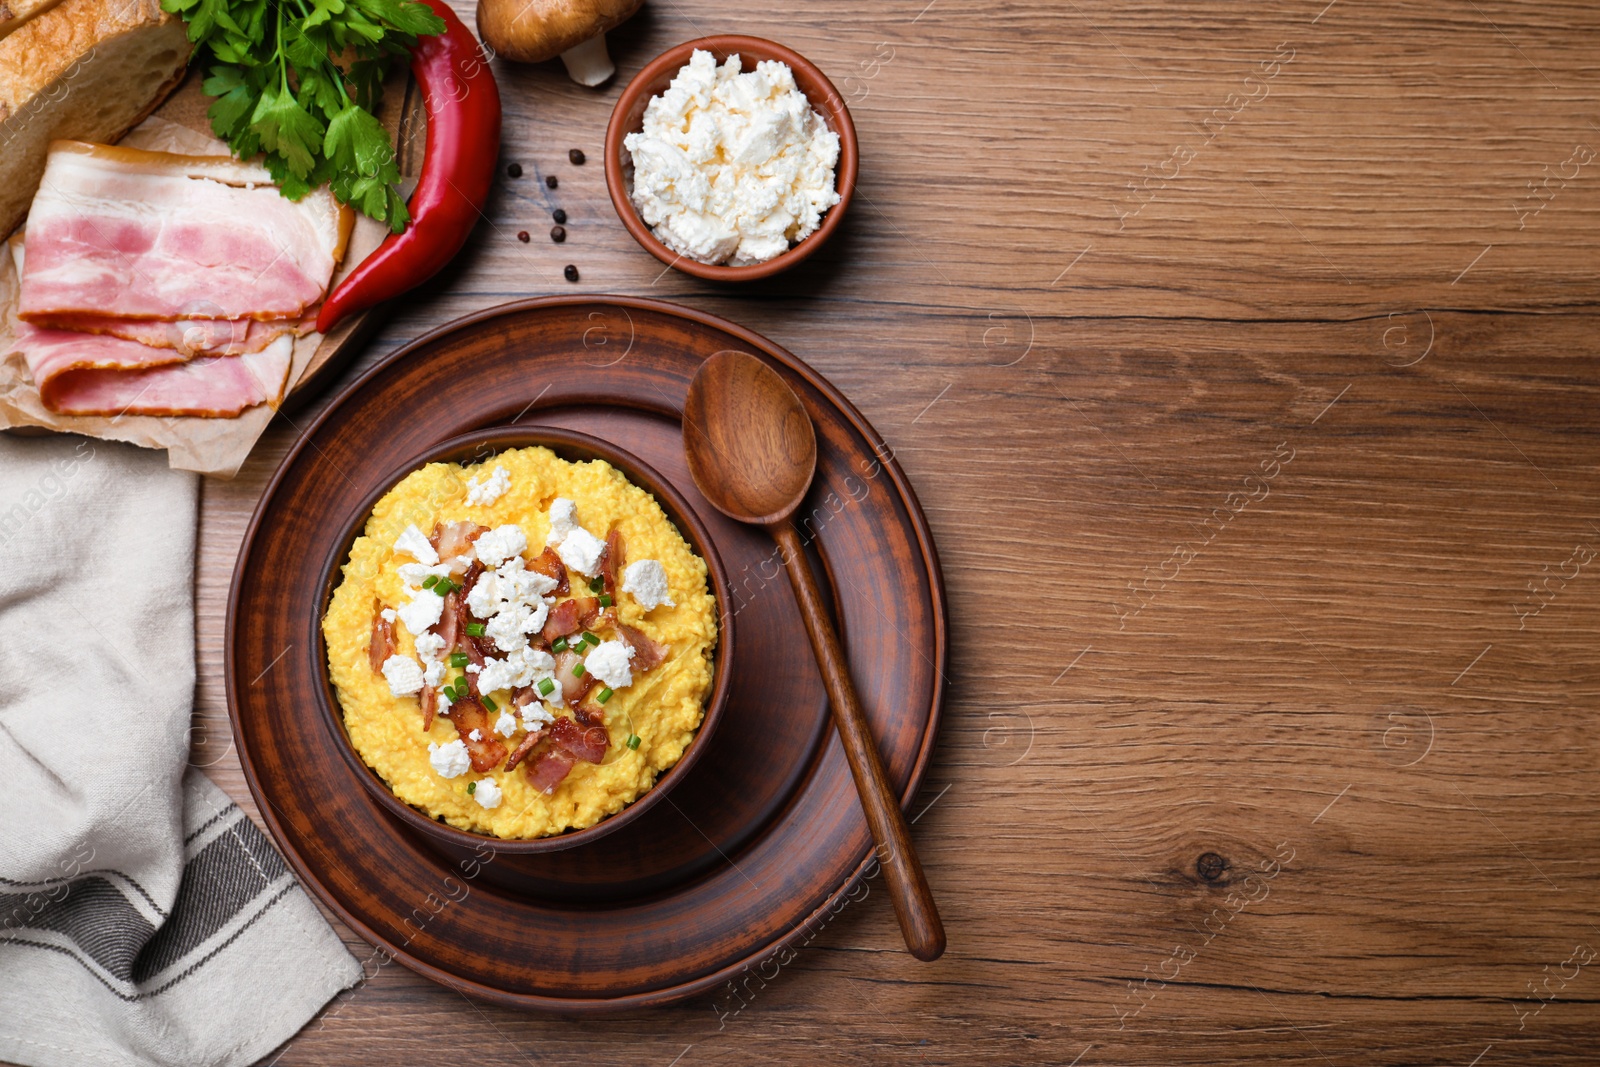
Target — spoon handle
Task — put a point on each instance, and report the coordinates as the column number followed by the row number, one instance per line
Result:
column 908, row 886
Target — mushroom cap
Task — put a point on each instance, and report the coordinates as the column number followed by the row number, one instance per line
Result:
column 532, row 31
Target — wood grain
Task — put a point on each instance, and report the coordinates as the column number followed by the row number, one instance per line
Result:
column 1068, row 422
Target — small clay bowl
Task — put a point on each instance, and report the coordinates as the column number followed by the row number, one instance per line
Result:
column 569, row 445
column 628, row 117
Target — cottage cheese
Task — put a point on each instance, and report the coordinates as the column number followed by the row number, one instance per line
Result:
column 500, row 544
column 506, row 724
column 417, row 546
column 403, row 674
column 424, row 610
column 489, row 490
column 449, row 760
column 646, row 579
column 563, row 520
column 732, row 167
column 609, row 663
column 487, row 793
column 581, row 552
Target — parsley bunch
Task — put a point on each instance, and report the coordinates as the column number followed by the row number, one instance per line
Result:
column 300, row 79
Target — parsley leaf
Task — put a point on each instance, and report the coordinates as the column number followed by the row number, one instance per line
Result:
column 300, row 81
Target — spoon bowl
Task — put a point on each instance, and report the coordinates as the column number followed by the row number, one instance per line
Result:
column 753, row 454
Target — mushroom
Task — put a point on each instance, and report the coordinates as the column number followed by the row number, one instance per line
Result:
column 532, row 31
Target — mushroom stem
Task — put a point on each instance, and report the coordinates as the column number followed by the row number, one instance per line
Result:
column 589, row 63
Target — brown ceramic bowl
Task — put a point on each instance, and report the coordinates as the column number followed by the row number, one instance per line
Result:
column 571, row 445
column 628, row 117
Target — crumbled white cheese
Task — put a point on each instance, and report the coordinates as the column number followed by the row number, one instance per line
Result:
column 510, row 585
column 449, row 760
column 500, row 544
column 732, row 167
column 506, row 724
column 517, row 669
column 609, row 663
column 581, row 551
column 563, row 520
column 487, row 793
column 404, row 675
column 646, row 579
column 415, row 544
column 414, row 574
column 536, row 714
column 511, row 625
column 429, row 645
column 388, row 614
column 489, row 490
column 424, row 610
column 445, row 704
column 475, row 735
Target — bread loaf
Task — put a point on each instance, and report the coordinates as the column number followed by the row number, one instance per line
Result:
column 85, row 70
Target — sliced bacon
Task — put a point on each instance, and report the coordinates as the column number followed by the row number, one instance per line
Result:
column 611, row 562
column 521, row 698
column 486, row 753
column 470, row 578
column 450, row 625
column 549, row 564
column 127, row 233
column 190, row 337
column 573, row 686
column 646, row 653
column 520, row 753
column 586, row 744
column 564, row 619
column 546, row 772
column 430, row 705
column 381, row 647
column 455, row 539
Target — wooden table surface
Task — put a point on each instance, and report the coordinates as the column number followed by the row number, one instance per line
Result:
column 1243, row 357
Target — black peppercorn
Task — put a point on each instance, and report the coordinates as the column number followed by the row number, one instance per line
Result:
column 523, row 236
column 560, row 216
column 558, row 234
column 571, row 272
column 576, row 155
column 515, row 170
column 550, row 181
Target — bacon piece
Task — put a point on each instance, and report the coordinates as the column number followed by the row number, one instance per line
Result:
column 520, row 753
column 455, row 539
column 521, row 698
column 573, row 686
column 549, row 564
column 563, row 620
column 381, row 647
column 611, row 562
column 430, row 705
column 588, row 713
column 646, row 653
column 470, row 578
column 546, row 772
column 128, row 233
column 590, row 613
column 589, row 744
column 486, row 753
column 191, row 337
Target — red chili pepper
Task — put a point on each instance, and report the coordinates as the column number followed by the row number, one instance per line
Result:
column 458, row 168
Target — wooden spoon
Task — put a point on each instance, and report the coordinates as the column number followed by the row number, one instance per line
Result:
column 753, row 452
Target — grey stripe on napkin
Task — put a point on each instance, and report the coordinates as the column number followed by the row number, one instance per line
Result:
column 144, row 919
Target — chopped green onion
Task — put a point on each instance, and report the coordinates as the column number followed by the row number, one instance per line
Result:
column 546, row 687
column 577, row 669
column 472, row 787
column 596, row 584
column 458, row 659
column 430, row 581
column 560, row 645
column 605, row 600
column 590, row 639
column 489, row 704
column 445, row 587
column 475, row 629
column 604, row 695
column 461, row 691
column 633, row 741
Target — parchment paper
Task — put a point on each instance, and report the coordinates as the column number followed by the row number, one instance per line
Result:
column 211, row 446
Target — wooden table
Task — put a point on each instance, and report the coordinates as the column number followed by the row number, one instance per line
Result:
column 1244, row 361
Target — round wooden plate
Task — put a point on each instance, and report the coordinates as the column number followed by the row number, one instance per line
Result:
column 765, row 834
